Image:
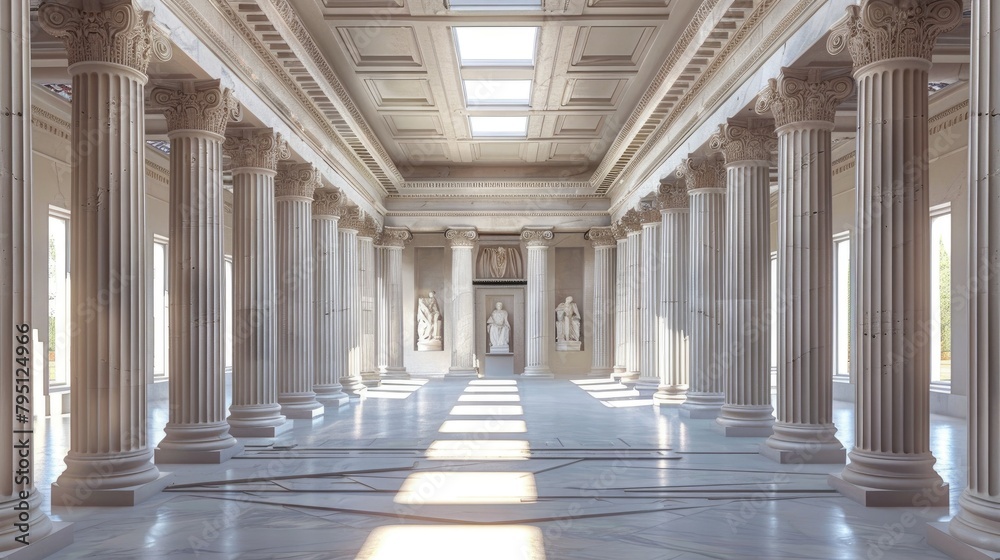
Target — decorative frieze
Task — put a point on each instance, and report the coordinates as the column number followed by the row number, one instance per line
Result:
column 196, row 105
column 258, row 148
column 296, row 180
column 802, row 94
column 750, row 139
column 114, row 31
column 885, row 29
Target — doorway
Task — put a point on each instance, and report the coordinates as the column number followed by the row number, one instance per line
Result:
column 512, row 298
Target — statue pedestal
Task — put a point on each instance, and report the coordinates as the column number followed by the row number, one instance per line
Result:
column 499, row 349
column 568, row 346
column 429, row 345
column 499, row 365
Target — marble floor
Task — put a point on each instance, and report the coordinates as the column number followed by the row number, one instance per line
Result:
column 502, row 469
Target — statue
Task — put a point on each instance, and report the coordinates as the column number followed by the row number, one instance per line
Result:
column 499, row 330
column 567, row 326
column 428, row 324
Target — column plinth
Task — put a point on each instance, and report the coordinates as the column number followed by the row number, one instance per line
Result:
column 352, row 220
column 976, row 527
column 109, row 460
column 255, row 411
column 602, row 343
column 537, row 334
column 746, row 327
column 804, row 107
column 673, row 311
column 648, row 278
column 326, row 299
column 196, row 114
column 463, row 328
column 891, row 463
column 294, row 188
column 706, row 180
column 390, row 301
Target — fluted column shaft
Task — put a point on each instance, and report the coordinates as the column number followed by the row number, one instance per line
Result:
column 463, row 341
column 326, row 300
column 254, row 411
column 349, row 361
column 621, row 267
column 673, row 312
column 108, row 449
column 601, row 339
column 804, row 108
column 366, row 285
column 196, row 430
column 649, row 280
column 747, row 288
column 633, row 302
column 15, row 282
column 891, row 462
column 390, row 300
column 978, row 520
column 294, row 245
column 537, row 337
column 707, row 196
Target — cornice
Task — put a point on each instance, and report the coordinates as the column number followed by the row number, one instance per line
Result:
column 843, row 163
column 49, row 122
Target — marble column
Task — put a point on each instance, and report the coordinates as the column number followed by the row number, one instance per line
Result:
column 462, row 312
column 975, row 531
column 706, row 182
column 326, row 299
column 109, row 44
column 621, row 252
column 672, row 316
column 891, row 463
column 366, row 290
column 538, row 336
column 746, row 145
column 197, row 113
column 804, row 106
column 602, row 316
column 352, row 220
column 390, row 301
column 648, row 278
column 254, row 155
column 25, row 531
column 293, row 190
column 632, row 299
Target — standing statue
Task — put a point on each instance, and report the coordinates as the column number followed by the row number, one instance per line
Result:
column 499, row 330
column 428, row 323
column 567, row 326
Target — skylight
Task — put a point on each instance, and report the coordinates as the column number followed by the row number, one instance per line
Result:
column 497, row 92
column 495, row 4
column 499, row 126
column 496, row 46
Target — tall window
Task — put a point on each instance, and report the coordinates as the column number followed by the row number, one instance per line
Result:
column 941, row 294
column 59, row 305
column 228, row 314
column 842, row 304
column 161, row 308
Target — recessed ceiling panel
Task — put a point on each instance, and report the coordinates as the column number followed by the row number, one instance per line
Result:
column 494, row 4
column 570, row 151
column 381, row 46
column 579, row 125
column 615, row 47
column 603, row 93
column 421, row 152
column 395, row 92
column 499, row 126
column 497, row 92
column 498, row 151
column 414, row 125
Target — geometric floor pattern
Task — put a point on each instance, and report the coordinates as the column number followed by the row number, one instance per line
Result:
column 505, row 469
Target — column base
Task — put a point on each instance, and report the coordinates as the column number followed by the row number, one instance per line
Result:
column 300, row 406
column 331, row 395
column 256, row 420
column 746, row 421
column 302, row 413
column 80, row 494
column 702, row 406
column 353, row 386
column 190, row 457
column 395, row 372
column 266, row 431
column 643, row 380
column 939, row 536
column 936, row 496
column 627, row 375
column 371, row 379
column 461, row 372
column 809, row 454
column 669, row 394
column 59, row 538
column 538, row 372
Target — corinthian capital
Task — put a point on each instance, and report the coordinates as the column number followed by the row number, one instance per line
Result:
column 745, row 140
column 196, row 105
column 352, row 218
column 257, row 148
column 328, row 203
column 115, row 31
column 649, row 212
column 393, row 237
column 885, row 29
column 369, row 227
column 296, row 180
column 462, row 237
column 601, row 237
column 799, row 95
column 673, row 195
column 703, row 172
column 631, row 221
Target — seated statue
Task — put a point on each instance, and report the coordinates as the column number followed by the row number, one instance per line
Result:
column 499, row 330
column 428, row 321
column 567, row 321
